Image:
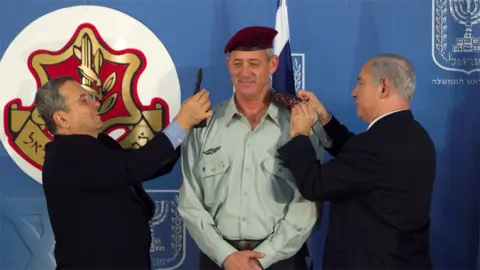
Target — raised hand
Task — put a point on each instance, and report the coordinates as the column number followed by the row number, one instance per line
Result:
column 194, row 110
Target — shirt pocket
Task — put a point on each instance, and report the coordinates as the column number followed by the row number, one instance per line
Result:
column 281, row 183
column 211, row 172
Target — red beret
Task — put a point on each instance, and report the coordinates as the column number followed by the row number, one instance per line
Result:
column 251, row 38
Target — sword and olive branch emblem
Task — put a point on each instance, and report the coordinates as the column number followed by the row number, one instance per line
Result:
column 90, row 70
column 110, row 75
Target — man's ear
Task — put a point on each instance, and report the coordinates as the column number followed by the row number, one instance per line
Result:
column 227, row 60
column 61, row 119
column 384, row 88
column 273, row 64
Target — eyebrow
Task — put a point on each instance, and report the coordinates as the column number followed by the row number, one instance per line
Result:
column 245, row 59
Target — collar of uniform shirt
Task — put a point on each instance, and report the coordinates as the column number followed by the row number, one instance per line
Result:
column 231, row 110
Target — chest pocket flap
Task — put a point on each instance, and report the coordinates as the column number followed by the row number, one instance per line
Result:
column 207, row 168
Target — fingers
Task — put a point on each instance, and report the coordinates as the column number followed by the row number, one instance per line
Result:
column 305, row 95
column 254, row 254
column 203, row 97
column 305, row 109
column 208, row 114
column 206, row 105
column 310, row 110
column 301, row 108
column 200, row 94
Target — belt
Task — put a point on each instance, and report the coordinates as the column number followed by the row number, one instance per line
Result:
column 245, row 244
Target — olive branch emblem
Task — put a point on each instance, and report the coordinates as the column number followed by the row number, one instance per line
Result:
column 90, row 74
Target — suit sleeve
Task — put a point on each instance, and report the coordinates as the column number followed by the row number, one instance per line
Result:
column 333, row 135
column 198, row 221
column 175, row 134
column 103, row 167
column 354, row 170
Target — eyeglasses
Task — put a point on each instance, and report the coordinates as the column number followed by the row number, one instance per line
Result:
column 85, row 99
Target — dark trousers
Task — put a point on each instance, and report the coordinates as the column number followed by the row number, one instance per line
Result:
column 296, row 262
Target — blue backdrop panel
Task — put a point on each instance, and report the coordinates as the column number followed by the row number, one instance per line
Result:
column 331, row 41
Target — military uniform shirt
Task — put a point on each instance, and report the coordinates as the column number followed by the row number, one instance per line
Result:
column 235, row 187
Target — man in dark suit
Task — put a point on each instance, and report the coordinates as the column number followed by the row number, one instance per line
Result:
column 98, row 209
column 379, row 182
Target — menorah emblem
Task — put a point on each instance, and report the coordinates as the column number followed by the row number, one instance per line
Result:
column 161, row 213
column 467, row 13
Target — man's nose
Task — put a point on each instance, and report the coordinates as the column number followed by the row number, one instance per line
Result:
column 96, row 104
column 354, row 93
column 245, row 71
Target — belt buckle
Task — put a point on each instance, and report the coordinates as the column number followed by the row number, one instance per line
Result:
column 245, row 245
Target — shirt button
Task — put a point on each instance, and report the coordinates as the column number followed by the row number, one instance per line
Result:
column 245, row 194
column 244, row 219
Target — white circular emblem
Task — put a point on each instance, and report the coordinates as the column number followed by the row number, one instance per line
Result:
column 109, row 53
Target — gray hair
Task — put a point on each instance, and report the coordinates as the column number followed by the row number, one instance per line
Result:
column 48, row 101
column 270, row 53
column 398, row 70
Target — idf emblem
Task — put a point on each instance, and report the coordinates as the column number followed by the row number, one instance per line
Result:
column 167, row 249
column 455, row 43
column 110, row 75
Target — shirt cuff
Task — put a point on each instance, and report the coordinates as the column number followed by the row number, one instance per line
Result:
column 268, row 253
column 222, row 251
column 174, row 133
column 325, row 140
column 327, row 120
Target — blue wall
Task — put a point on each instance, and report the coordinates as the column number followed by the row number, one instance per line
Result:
column 337, row 37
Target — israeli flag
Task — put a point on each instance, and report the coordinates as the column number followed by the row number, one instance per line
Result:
column 282, row 79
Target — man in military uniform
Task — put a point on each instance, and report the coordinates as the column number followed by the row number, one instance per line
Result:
column 240, row 205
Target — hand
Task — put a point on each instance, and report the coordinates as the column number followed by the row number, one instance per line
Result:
column 302, row 119
column 310, row 98
column 194, row 110
column 242, row 260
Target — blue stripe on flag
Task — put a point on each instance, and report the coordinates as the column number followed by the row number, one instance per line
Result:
column 282, row 79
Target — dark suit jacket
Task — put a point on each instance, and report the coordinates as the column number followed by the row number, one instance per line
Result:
column 98, row 209
column 379, row 185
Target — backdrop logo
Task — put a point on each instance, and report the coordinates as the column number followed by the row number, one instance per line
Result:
column 298, row 63
column 111, row 54
column 454, row 44
column 168, row 231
